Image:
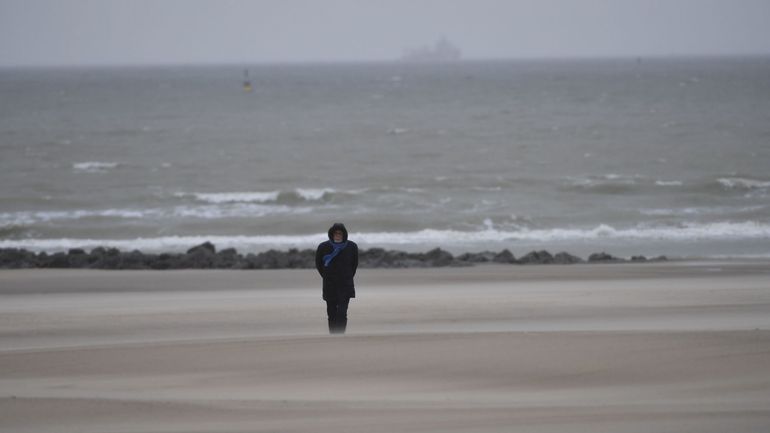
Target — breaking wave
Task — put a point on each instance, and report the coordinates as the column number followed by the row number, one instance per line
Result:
column 427, row 237
column 244, row 210
column 233, row 197
column 93, row 166
column 296, row 195
column 669, row 183
column 690, row 211
column 743, row 183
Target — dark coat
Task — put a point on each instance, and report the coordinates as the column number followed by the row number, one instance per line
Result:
column 338, row 277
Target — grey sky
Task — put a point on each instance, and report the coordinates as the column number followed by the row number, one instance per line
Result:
column 82, row 32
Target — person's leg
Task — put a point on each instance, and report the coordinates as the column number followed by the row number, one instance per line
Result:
column 342, row 315
column 331, row 314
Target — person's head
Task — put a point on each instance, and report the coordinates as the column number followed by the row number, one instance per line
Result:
column 338, row 233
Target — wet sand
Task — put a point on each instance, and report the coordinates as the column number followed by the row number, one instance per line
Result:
column 676, row 347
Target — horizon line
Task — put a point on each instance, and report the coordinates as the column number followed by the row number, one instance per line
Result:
column 255, row 63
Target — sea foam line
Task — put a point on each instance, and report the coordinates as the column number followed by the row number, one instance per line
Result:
column 236, row 210
column 307, row 194
column 429, row 237
column 93, row 166
column 743, row 183
column 233, row 197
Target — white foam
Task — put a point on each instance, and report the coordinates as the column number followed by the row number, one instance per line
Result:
column 313, row 194
column 233, row 197
column 28, row 218
column 613, row 176
column 236, row 210
column 167, row 243
column 668, row 183
column 239, row 210
column 685, row 232
column 743, row 183
column 93, row 166
column 605, row 179
column 687, row 211
column 309, row 194
column 487, row 188
column 428, row 237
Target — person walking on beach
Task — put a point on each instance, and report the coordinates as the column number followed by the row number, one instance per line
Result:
column 336, row 261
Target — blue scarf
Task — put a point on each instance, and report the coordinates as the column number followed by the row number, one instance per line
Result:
column 337, row 248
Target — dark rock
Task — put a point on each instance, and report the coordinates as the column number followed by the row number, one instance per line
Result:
column 438, row 258
column 565, row 258
column 603, row 258
column 205, row 256
column 12, row 258
column 133, row 260
column 482, row 257
column 227, row 259
column 380, row 258
column 207, row 246
column 57, row 260
column 165, row 261
column 376, row 258
column 504, row 256
column 541, row 257
column 400, row 259
column 199, row 257
column 303, row 259
column 101, row 258
column 271, row 259
column 78, row 258
column 370, row 258
column 249, row 262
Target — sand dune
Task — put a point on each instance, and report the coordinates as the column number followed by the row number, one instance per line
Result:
column 666, row 347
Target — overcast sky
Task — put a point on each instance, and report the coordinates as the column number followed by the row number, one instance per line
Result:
column 87, row 32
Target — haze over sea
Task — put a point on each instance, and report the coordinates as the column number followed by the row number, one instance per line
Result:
column 658, row 156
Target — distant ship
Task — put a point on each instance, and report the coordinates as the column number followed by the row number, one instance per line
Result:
column 441, row 51
column 246, row 81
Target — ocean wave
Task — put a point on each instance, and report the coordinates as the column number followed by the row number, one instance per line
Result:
column 312, row 194
column 602, row 188
column 608, row 183
column 29, row 218
column 618, row 180
column 428, row 237
column 683, row 232
column 93, row 166
column 233, row 197
column 743, row 183
column 291, row 196
column 669, row 183
column 237, row 210
column 618, row 183
column 689, row 211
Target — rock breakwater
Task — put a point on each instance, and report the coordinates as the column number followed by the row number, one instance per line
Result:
column 206, row 256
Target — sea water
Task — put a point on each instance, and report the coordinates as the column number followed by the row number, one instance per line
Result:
column 649, row 156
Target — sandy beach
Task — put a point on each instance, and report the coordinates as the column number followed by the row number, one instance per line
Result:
column 675, row 347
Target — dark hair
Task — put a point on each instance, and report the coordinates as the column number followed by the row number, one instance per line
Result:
column 338, row 227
